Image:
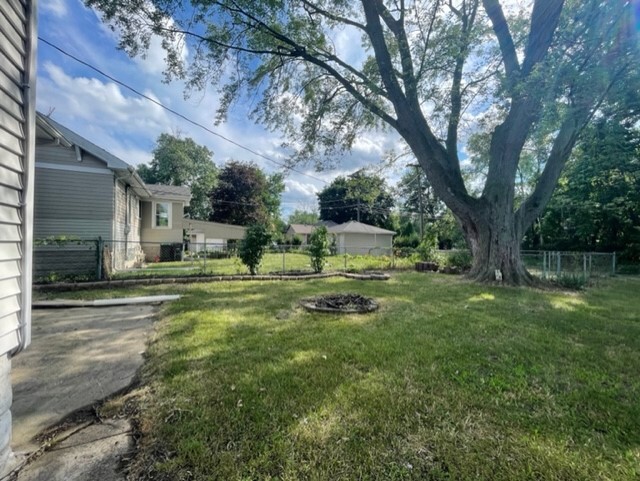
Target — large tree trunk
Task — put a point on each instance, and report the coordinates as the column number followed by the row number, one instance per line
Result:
column 494, row 238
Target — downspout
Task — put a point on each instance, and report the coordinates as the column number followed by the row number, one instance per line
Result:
column 127, row 227
column 28, row 176
column 78, row 154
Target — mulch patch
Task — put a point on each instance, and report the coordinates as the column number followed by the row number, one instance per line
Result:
column 340, row 303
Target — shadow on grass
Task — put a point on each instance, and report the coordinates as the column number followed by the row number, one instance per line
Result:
column 449, row 380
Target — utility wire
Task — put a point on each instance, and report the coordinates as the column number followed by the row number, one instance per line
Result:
column 176, row 113
column 207, row 129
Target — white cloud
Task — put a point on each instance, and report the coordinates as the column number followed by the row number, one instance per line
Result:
column 56, row 7
column 297, row 187
column 99, row 102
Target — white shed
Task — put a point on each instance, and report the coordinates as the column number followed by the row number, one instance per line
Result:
column 357, row 238
column 17, row 144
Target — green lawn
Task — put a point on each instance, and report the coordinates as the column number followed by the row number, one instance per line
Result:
column 271, row 263
column 448, row 381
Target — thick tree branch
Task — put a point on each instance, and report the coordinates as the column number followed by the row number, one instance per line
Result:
column 383, row 57
column 505, row 40
column 563, row 144
column 406, row 60
column 544, row 21
column 468, row 21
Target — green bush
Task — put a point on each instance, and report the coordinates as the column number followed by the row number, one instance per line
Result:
column 319, row 248
column 461, row 259
column 570, row 281
column 407, row 242
column 427, row 248
column 296, row 240
column 254, row 246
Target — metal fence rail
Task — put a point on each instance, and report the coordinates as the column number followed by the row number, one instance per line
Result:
column 93, row 259
column 555, row 264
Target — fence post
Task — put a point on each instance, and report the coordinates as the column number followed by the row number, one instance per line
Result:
column 284, row 255
column 613, row 264
column 204, row 267
column 99, row 248
column 558, row 264
column 544, row 265
column 584, row 266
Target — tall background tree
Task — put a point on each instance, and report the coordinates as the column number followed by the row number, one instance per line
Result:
column 303, row 217
column 360, row 196
column 428, row 70
column 245, row 195
column 181, row 161
column 597, row 204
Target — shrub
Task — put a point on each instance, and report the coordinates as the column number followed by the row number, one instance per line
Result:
column 410, row 242
column 570, row 281
column 461, row 259
column 296, row 240
column 318, row 248
column 253, row 246
column 427, row 248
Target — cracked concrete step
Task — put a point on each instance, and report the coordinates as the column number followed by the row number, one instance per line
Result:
column 93, row 453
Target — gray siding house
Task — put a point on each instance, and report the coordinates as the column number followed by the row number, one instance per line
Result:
column 162, row 217
column 85, row 192
column 17, row 121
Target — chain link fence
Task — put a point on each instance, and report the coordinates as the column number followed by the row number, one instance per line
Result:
column 61, row 259
column 557, row 264
column 79, row 260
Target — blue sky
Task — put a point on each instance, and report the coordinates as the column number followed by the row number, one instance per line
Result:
column 128, row 125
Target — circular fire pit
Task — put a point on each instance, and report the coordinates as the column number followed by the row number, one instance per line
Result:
column 340, row 304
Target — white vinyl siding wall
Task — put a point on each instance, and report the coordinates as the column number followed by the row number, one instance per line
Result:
column 15, row 144
column 17, row 125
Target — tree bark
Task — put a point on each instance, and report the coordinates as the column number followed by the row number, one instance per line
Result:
column 494, row 237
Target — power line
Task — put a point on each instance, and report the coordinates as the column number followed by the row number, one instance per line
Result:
column 176, row 113
column 365, row 206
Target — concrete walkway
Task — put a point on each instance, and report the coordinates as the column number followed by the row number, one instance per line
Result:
column 77, row 358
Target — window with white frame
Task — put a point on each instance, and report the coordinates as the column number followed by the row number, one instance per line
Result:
column 162, row 215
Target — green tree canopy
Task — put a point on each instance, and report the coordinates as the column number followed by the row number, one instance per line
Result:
column 303, row 217
column 597, row 204
column 360, row 196
column 181, row 161
column 245, row 195
column 430, row 70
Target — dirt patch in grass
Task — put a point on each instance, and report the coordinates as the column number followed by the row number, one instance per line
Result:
column 340, row 303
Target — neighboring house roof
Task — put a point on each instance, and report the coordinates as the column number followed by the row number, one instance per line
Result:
column 67, row 136
column 327, row 223
column 303, row 229
column 174, row 192
column 45, row 130
column 354, row 227
column 203, row 226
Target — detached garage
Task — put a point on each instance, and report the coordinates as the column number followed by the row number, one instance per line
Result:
column 364, row 239
column 211, row 236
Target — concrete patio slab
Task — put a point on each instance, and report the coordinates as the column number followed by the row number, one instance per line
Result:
column 94, row 453
column 77, row 357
